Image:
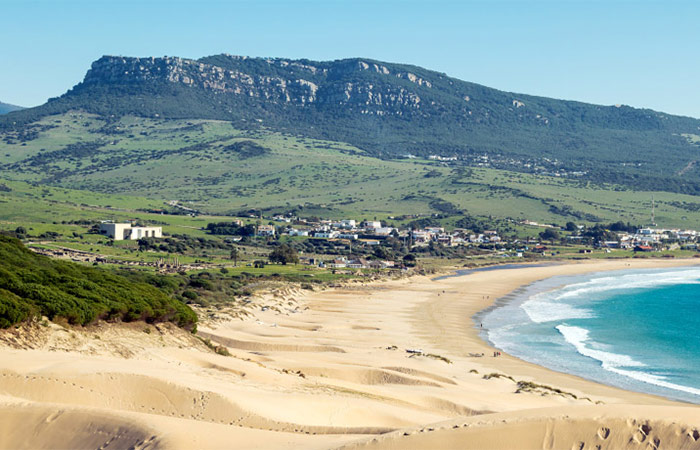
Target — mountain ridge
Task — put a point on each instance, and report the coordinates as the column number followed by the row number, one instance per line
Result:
column 7, row 108
column 392, row 110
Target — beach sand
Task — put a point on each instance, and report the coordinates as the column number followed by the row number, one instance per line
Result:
column 326, row 370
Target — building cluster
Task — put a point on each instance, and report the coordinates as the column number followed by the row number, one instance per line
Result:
column 647, row 239
column 358, row 263
column 371, row 232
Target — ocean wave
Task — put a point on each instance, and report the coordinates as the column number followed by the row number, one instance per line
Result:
column 552, row 306
column 539, row 310
column 629, row 281
column 578, row 337
column 617, row 363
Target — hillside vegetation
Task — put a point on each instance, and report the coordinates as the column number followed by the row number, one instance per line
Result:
column 389, row 110
column 34, row 285
column 138, row 163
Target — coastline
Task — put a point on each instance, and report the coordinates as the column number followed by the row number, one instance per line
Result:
column 388, row 364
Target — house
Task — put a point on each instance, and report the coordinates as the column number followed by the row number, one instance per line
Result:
column 347, row 223
column 372, row 224
column 420, row 237
column 295, row 232
column 357, row 264
column 336, row 264
column 444, row 239
column 643, row 248
column 122, row 231
column 326, row 234
column 350, row 236
column 266, row 230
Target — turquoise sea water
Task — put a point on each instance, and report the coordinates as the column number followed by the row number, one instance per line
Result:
column 635, row 329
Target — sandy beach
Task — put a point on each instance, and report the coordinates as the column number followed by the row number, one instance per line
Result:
column 386, row 365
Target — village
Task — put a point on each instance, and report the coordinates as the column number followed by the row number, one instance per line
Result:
column 364, row 240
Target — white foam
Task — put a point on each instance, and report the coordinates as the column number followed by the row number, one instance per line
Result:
column 539, row 309
column 551, row 306
column 578, row 337
column 655, row 380
column 630, row 281
column 613, row 362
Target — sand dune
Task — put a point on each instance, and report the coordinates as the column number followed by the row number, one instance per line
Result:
column 576, row 428
column 25, row 426
column 388, row 365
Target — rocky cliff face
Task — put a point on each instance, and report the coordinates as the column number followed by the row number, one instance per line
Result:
column 273, row 80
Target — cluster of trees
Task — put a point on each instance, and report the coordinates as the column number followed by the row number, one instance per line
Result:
column 179, row 243
column 230, row 229
column 35, row 285
column 284, row 254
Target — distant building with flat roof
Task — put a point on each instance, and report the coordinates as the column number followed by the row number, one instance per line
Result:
column 124, row 231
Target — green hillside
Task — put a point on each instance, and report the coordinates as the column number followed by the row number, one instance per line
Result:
column 137, row 163
column 234, row 135
column 32, row 284
column 389, row 110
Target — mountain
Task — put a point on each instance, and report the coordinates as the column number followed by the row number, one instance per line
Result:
column 6, row 108
column 389, row 110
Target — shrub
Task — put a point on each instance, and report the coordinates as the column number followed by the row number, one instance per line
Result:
column 192, row 295
column 32, row 285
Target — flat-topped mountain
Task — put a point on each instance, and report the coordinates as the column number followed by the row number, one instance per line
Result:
column 394, row 110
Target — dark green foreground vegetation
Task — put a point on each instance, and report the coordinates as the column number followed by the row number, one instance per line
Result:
column 34, row 285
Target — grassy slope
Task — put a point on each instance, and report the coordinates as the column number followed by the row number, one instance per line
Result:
column 148, row 161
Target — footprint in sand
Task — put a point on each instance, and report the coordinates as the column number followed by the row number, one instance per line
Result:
column 603, row 433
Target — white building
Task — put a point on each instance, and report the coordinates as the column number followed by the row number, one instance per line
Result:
column 326, row 234
column 266, row 230
column 122, row 231
column 383, row 231
column 347, row 223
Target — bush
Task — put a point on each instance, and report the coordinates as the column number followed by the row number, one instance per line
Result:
column 192, row 295
column 33, row 285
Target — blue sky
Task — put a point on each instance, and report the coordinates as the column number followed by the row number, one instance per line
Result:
column 641, row 53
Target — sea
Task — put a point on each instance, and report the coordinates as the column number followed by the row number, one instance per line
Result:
column 634, row 329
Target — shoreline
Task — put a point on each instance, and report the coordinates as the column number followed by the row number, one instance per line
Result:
column 511, row 302
column 387, row 364
column 578, row 268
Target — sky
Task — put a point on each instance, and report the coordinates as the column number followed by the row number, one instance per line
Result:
column 640, row 53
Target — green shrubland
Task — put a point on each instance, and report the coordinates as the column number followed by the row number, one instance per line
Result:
column 33, row 285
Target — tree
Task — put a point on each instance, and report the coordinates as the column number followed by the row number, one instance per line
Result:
column 570, row 226
column 409, row 260
column 549, row 234
column 235, row 254
column 284, row 254
column 381, row 252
